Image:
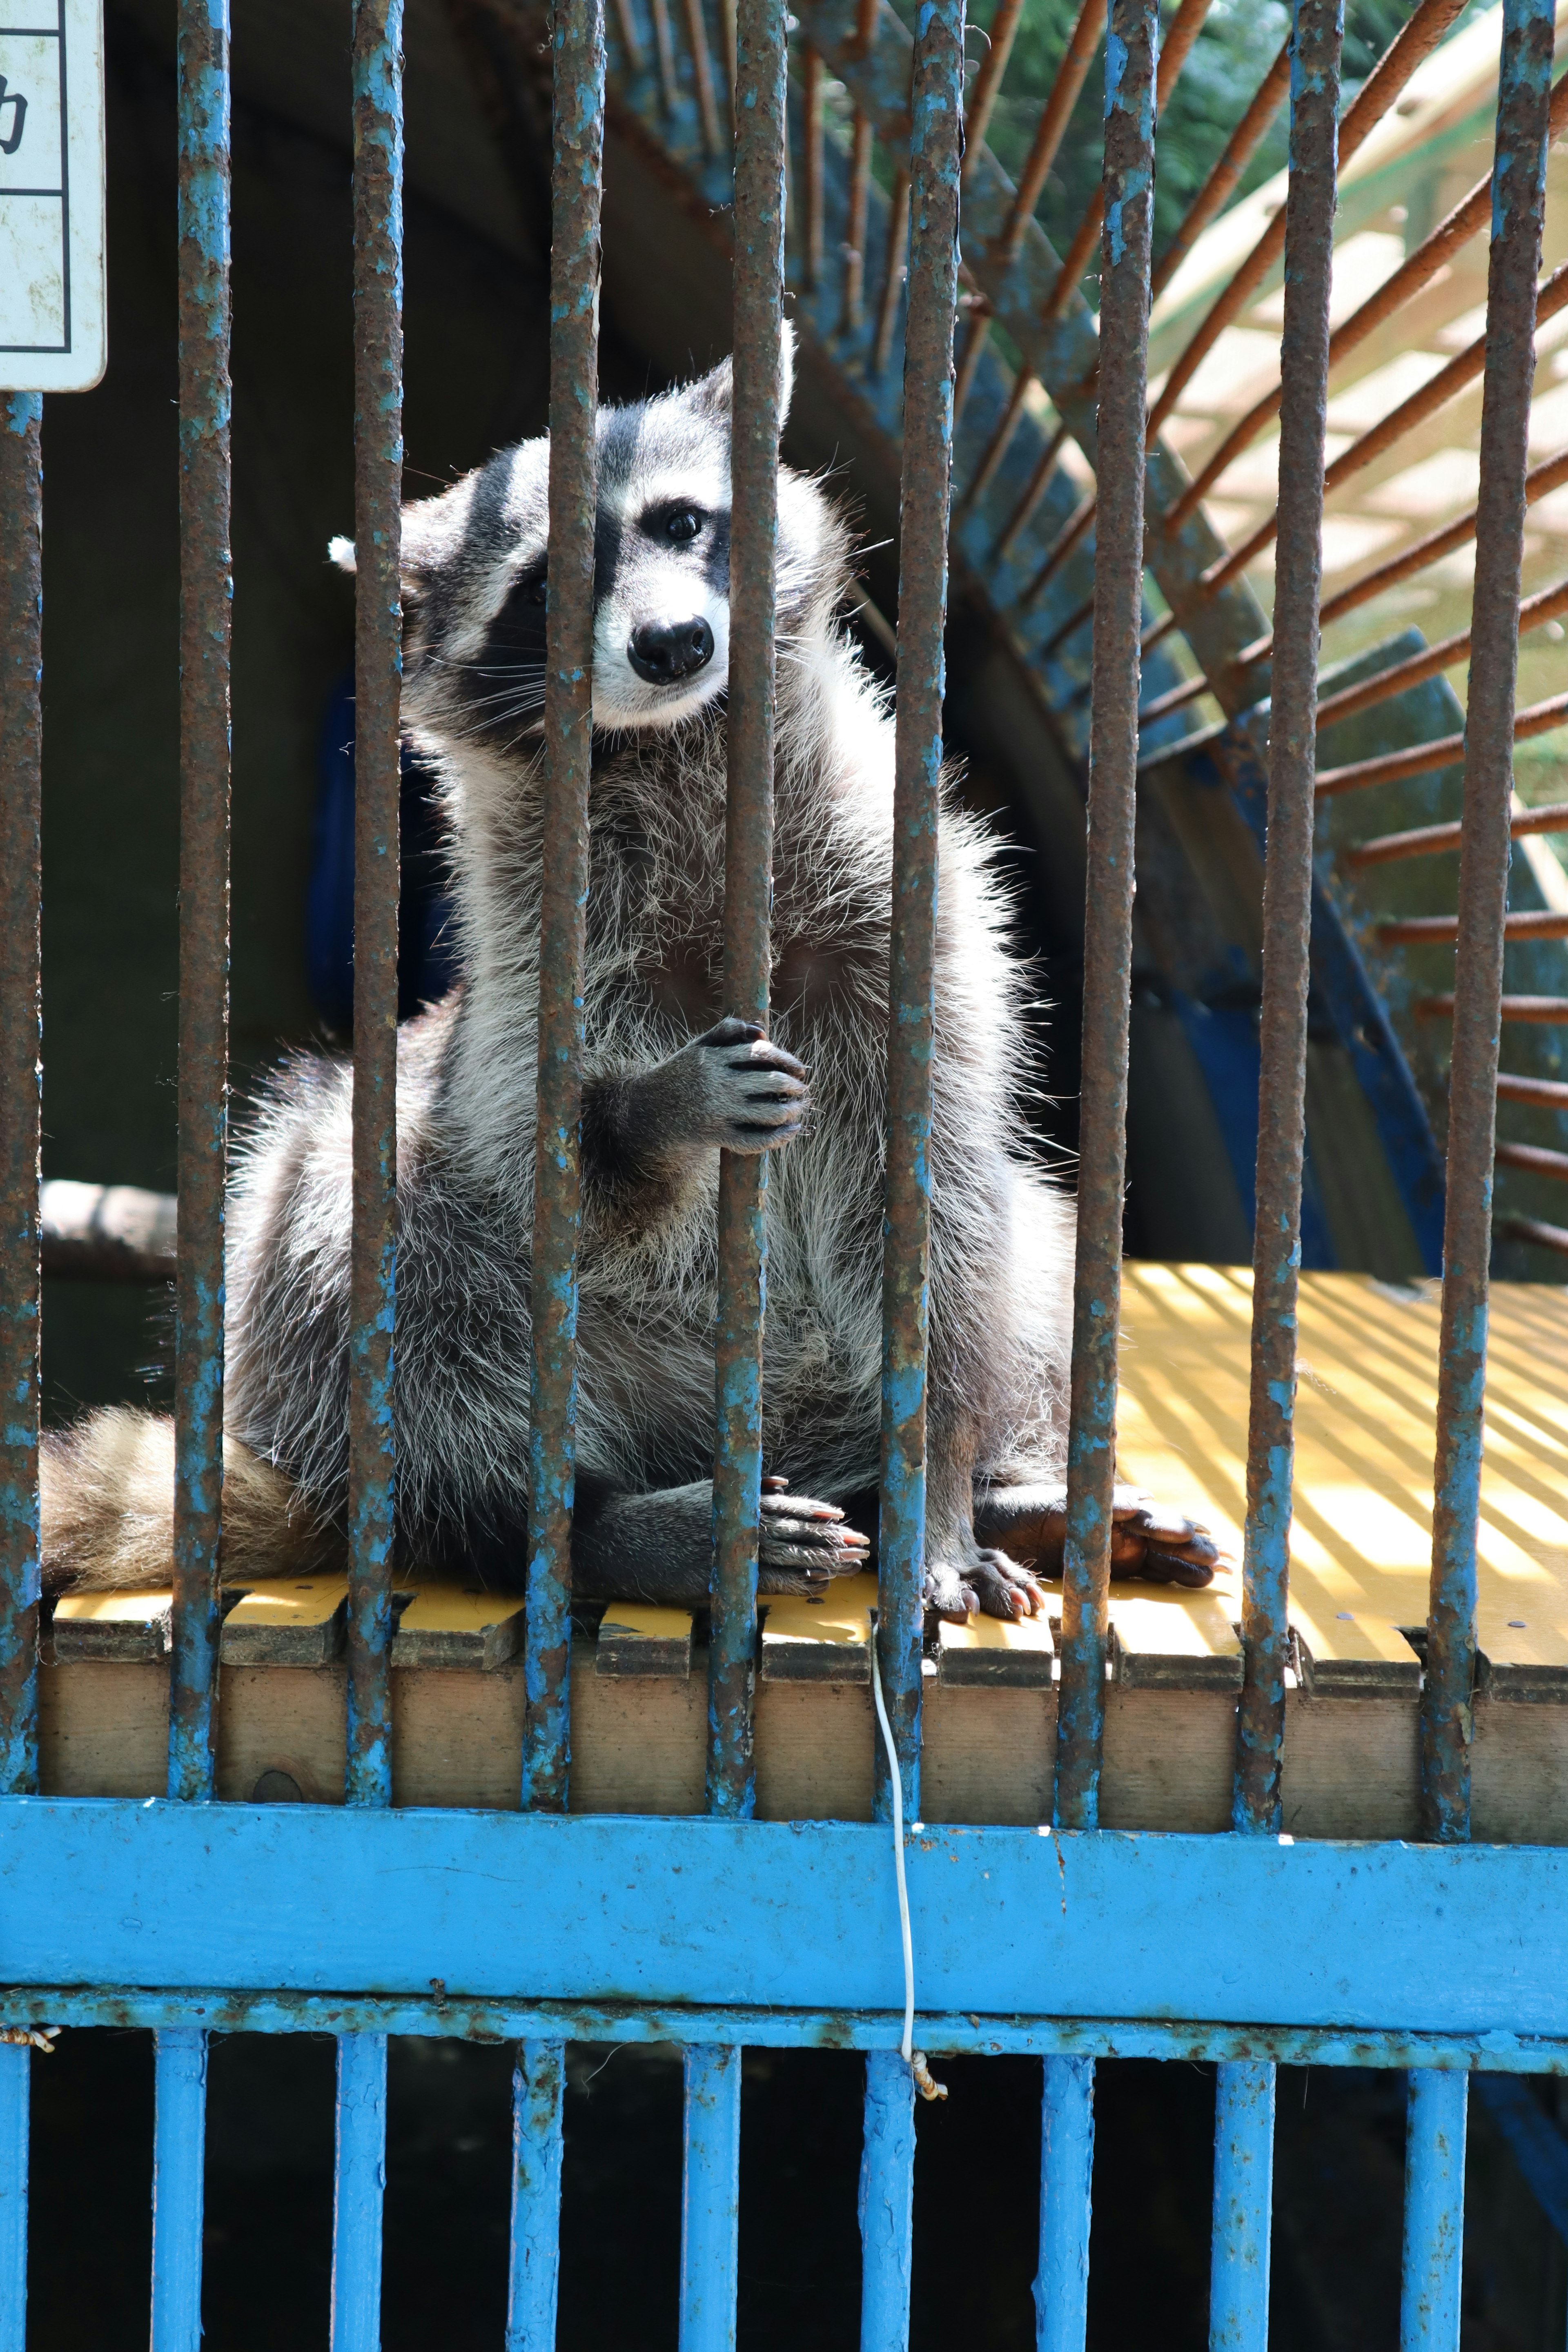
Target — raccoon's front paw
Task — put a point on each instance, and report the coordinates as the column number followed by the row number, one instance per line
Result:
column 990, row 1585
column 737, row 1090
column 803, row 1544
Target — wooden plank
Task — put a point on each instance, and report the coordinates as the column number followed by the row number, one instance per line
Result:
column 1163, row 1638
column 120, row 1627
column 444, row 1622
column 992, row 1654
column 1355, row 1654
column 637, row 1640
column 289, row 1621
column 825, row 1641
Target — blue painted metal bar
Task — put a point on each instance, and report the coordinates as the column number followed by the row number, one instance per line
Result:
column 1131, row 56
column 710, row 2198
column 1434, row 2212
column 1390, row 1939
column 1519, row 203
column 1066, row 2170
column 21, row 1077
column 378, row 678
column 1317, row 36
column 179, row 2154
column 935, row 150
column 1536, row 2144
column 886, row 2205
column 534, row 2273
column 577, row 53
column 1243, row 2207
column 207, row 600
column 16, row 2084
column 359, row 2180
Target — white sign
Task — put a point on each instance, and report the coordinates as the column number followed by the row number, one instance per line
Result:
column 53, row 328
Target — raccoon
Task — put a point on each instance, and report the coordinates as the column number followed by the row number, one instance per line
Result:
column 669, row 1081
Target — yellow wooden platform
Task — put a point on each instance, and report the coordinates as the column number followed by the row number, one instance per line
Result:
column 1361, row 1547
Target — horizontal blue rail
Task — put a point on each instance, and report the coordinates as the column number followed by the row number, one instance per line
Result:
column 701, row 1913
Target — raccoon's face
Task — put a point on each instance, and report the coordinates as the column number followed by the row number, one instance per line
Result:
column 475, row 574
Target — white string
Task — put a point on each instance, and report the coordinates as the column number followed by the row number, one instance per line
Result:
column 895, row 1782
column 915, row 2060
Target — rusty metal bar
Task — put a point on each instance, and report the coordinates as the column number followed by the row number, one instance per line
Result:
column 664, row 50
column 631, row 42
column 1176, row 697
column 729, row 34
column 1051, row 128
column 852, row 315
column 1131, row 56
column 812, row 78
column 987, row 87
column 1317, row 37
column 1463, row 368
column 1539, row 1009
column 378, row 677
column 1551, row 1094
column 702, row 65
column 21, row 1075
column 866, row 24
column 1226, row 178
column 1430, row 840
column 577, row 60
column 1467, row 220
column 1001, row 441
column 1518, row 217
column 1186, row 27
column 1533, row 614
column 748, row 882
column 897, row 270
column 1033, row 490
column 1532, row 1157
column 206, row 598
column 1534, row 1229
column 1409, row 48
column 1422, row 759
column 935, row 149
column 1075, row 528
column 1443, row 930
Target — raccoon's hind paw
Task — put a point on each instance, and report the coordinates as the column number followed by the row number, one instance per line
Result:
column 1149, row 1541
column 803, row 1544
column 990, row 1585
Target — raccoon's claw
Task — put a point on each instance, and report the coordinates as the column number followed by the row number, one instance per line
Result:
column 803, row 1544
column 1148, row 1541
column 990, row 1585
column 755, row 1092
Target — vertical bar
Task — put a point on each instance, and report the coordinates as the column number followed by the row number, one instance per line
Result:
column 703, row 67
column 1066, row 2168
column 1130, row 61
column 893, row 281
column 21, row 1074
column 811, row 134
column 1435, row 2118
column 359, row 2180
column 1317, row 36
column 534, row 2274
column 1242, row 2206
column 378, row 677
column 1519, row 199
column 578, row 42
column 15, row 2087
column 206, row 598
column 853, row 310
column 709, row 2196
column 936, row 138
column 886, row 2205
column 179, row 2150
column 757, row 421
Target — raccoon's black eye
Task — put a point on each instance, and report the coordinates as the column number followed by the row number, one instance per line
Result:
column 537, row 589
column 683, row 524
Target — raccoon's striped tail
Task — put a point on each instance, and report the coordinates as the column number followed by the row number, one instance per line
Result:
column 109, row 1510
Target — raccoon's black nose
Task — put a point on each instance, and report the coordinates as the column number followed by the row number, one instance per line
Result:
column 664, row 651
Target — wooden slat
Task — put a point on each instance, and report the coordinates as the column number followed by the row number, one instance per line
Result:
column 1165, row 1639
column 293, row 1621
column 446, row 1623
column 822, row 1641
column 1354, row 1653
column 989, row 1652
column 122, row 1626
column 637, row 1640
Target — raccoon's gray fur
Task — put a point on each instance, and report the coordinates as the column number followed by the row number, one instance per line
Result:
column 664, row 1084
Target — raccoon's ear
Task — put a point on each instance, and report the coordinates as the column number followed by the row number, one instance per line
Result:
column 340, row 552
column 714, row 394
